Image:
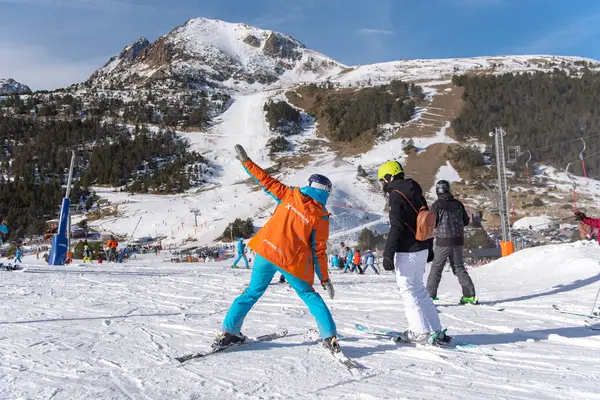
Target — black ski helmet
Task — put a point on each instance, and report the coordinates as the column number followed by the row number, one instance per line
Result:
column 442, row 187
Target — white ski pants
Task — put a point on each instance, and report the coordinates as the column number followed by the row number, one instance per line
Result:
column 420, row 312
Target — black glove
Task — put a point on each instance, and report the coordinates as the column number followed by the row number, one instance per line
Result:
column 241, row 153
column 388, row 264
column 579, row 216
column 430, row 255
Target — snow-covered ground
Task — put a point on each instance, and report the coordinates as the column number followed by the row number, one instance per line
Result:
column 112, row 331
column 534, row 223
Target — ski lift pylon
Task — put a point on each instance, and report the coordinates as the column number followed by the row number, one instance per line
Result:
column 574, row 187
column 527, row 168
column 582, row 158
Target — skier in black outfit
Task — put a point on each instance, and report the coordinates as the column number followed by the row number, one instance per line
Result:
column 449, row 243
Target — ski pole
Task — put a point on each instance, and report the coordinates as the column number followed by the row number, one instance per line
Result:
column 595, row 301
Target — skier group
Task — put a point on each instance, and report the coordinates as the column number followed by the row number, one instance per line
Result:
column 294, row 243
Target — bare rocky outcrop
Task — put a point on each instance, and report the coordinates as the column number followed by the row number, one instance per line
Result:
column 252, row 41
column 279, row 46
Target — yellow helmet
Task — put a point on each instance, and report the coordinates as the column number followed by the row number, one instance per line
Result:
column 391, row 168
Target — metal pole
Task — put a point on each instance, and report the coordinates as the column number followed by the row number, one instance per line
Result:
column 595, row 301
column 69, row 233
column 70, row 174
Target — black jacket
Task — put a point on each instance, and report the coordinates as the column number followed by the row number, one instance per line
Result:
column 401, row 238
column 451, row 221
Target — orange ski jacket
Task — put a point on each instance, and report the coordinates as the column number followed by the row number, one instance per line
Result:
column 112, row 244
column 295, row 238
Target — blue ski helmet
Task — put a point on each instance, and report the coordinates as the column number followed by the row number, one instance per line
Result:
column 319, row 181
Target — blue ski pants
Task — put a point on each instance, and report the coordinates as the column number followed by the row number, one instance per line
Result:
column 262, row 274
column 241, row 256
column 18, row 260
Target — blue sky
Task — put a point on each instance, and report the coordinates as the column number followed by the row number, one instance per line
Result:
column 52, row 43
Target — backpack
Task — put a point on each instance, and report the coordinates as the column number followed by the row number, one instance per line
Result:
column 425, row 221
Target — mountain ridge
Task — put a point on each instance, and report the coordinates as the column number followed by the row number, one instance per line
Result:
column 10, row 86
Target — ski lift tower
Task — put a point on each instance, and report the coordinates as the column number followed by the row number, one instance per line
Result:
column 60, row 242
column 498, row 135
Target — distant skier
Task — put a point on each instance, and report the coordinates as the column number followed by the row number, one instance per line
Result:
column 3, row 231
column 357, row 262
column 335, row 261
column 294, row 243
column 408, row 256
column 112, row 245
column 241, row 253
column 349, row 260
column 18, row 255
column 370, row 261
column 87, row 254
column 449, row 243
column 343, row 254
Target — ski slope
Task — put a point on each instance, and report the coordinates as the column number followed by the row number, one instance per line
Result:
column 112, row 332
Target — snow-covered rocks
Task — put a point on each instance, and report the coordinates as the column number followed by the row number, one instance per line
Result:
column 10, row 86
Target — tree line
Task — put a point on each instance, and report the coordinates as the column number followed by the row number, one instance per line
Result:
column 35, row 155
column 538, row 110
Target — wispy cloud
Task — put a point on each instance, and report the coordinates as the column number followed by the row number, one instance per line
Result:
column 40, row 68
column 368, row 31
column 565, row 37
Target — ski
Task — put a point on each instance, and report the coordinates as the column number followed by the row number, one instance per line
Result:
column 486, row 306
column 339, row 356
column 560, row 310
column 264, row 338
column 394, row 334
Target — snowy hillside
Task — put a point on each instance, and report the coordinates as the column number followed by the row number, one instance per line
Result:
column 205, row 52
column 443, row 69
column 112, row 332
column 10, row 86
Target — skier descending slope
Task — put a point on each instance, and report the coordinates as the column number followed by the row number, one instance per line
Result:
column 294, row 243
column 241, row 250
column 408, row 256
column 449, row 243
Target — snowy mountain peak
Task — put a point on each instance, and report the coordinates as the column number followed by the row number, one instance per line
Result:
column 10, row 86
column 210, row 52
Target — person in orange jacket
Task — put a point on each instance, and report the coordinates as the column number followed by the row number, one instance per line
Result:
column 294, row 243
column 357, row 262
column 112, row 245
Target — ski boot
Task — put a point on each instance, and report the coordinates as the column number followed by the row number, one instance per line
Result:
column 469, row 300
column 409, row 336
column 235, row 267
column 225, row 339
column 281, row 279
column 332, row 344
column 439, row 338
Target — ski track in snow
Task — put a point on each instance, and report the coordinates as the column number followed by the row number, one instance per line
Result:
column 112, row 332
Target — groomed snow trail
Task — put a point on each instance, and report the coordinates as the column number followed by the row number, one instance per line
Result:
column 112, row 332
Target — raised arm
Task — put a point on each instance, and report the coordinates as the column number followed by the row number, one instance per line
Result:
column 272, row 186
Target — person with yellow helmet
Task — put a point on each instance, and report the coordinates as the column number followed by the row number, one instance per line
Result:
column 87, row 254
column 408, row 256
